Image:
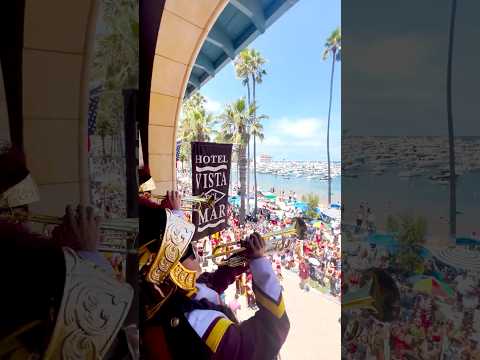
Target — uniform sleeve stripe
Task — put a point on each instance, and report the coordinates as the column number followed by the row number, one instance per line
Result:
column 276, row 309
column 202, row 321
column 216, row 334
column 265, row 278
column 257, row 289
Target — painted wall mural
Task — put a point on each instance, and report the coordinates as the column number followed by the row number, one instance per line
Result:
column 114, row 69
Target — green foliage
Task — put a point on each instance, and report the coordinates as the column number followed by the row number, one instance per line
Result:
column 392, row 225
column 409, row 260
column 115, row 65
column 116, row 53
column 410, row 232
column 312, row 201
column 333, row 45
column 195, row 103
column 196, row 124
column 234, row 122
column 256, row 127
column 105, row 128
column 249, row 63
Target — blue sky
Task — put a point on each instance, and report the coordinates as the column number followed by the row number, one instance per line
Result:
column 395, row 63
column 295, row 92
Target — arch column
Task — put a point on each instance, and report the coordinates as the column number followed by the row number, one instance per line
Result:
column 55, row 98
column 183, row 29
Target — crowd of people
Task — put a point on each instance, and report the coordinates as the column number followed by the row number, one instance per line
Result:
column 316, row 258
column 436, row 323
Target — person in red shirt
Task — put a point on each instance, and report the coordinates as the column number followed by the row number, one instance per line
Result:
column 303, row 273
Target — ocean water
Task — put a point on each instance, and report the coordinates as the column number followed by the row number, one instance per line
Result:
column 300, row 185
column 389, row 194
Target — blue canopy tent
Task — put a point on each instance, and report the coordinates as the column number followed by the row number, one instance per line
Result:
column 385, row 241
column 234, row 200
column 301, row 206
column 467, row 241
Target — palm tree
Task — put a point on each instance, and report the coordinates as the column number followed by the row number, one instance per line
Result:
column 242, row 70
column 196, row 124
column 333, row 47
column 104, row 129
column 451, row 139
column 257, row 132
column 249, row 65
column 257, row 62
column 235, row 119
column 116, row 56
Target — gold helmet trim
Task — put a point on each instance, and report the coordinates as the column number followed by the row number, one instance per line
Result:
column 23, row 193
column 92, row 311
column 148, row 185
column 177, row 236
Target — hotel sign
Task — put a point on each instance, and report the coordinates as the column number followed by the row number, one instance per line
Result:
column 210, row 178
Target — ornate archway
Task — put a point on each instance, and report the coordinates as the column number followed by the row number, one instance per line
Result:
column 183, row 29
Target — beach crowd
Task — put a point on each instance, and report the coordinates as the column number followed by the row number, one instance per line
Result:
column 435, row 323
column 316, row 258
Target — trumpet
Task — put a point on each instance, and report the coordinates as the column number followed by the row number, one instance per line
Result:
column 128, row 225
column 192, row 200
column 236, row 257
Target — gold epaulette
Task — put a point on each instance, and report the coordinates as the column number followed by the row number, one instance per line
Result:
column 177, row 236
column 164, row 269
column 92, row 311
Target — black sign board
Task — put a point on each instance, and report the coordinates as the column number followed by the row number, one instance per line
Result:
column 210, row 178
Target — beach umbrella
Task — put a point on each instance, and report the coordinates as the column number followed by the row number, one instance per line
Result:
column 270, row 196
column 301, row 205
column 432, row 286
column 335, row 206
column 234, row 200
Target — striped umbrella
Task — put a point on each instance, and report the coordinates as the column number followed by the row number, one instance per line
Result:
column 432, row 286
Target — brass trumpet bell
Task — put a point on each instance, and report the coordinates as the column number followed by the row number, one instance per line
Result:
column 191, row 201
column 236, row 257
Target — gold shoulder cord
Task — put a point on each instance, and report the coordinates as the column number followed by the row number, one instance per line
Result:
column 92, row 311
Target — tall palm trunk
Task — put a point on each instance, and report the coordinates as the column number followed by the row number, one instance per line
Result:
column 248, row 174
column 243, row 170
column 328, row 130
column 248, row 152
column 451, row 139
column 255, row 172
column 238, row 166
column 254, row 147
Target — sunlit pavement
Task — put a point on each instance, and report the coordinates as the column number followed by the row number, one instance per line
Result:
column 314, row 322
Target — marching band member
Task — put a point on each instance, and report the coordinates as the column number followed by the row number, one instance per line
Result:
column 182, row 316
column 54, row 289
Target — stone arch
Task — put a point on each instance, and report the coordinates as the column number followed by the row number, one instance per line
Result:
column 58, row 41
column 183, row 29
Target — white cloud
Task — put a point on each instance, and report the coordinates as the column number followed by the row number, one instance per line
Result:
column 303, row 128
column 272, row 141
column 302, row 138
column 213, row 106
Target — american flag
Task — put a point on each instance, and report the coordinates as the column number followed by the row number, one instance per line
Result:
column 94, row 98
